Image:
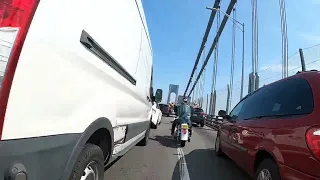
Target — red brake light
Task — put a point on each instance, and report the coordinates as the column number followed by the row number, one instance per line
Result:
column 184, row 131
column 313, row 141
column 15, row 19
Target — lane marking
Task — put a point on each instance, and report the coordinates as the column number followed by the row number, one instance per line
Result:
column 183, row 169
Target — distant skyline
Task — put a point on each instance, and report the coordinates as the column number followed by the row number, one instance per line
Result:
column 177, row 27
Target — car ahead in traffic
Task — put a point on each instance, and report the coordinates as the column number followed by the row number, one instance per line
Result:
column 165, row 109
column 274, row 132
column 156, row 115
column 76, row 86
column 198, row 116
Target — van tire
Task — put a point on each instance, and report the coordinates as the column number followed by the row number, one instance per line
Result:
column 270, row 166
column 90, row 155
column 153, row 126
column 144, row 141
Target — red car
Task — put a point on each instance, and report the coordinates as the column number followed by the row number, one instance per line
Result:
column 274, row 132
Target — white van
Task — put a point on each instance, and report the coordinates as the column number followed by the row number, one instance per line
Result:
column 76, row 86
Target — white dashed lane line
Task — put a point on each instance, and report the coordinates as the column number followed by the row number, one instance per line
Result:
column 183, row 169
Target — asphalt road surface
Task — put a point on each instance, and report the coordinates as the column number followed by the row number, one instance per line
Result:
column 161, row 159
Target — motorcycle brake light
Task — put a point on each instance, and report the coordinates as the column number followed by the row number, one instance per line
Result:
column 184, row 131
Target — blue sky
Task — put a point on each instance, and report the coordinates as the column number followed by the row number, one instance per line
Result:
column 177, row 26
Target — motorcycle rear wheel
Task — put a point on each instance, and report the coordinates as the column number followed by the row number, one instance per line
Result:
column 182, row 143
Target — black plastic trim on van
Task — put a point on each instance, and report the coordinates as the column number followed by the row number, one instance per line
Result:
column 95, row 48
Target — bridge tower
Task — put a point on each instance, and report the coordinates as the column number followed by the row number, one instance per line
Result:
column 173, row 89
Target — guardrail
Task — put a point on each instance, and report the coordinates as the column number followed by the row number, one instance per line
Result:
column 213, row 122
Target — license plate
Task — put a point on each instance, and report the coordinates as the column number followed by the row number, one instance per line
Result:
column 194, row 114
column 184, row 126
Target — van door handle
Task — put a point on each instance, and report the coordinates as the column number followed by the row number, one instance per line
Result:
column 87, row 41
column 96, row 49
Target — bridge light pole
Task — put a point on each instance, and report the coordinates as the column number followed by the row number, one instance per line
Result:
column 242, row 30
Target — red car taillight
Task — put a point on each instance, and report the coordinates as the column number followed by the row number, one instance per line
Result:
column 313, row 141
column 15, row 19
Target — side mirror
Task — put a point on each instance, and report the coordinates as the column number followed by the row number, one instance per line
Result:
column 223, row 114
column 158, row 95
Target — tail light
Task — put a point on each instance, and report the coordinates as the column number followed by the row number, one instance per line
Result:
column 184, row 131
column 15, row 19
column 313, row 141
column 203, row 114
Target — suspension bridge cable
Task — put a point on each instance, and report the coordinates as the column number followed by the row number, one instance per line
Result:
column 216, row 39
column 254, row 35
column 203, row 75
column 216, row 58
column 257, row 39
column 215, row 68
column 283, row 21
column 233, row 49
column 204, row 40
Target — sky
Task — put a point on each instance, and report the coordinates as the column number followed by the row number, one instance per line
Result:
column 177, row 27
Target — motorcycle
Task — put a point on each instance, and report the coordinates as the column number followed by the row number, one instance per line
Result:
column 182, row 134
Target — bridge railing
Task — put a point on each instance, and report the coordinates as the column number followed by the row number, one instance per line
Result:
column 212, row 121
column 267, row 74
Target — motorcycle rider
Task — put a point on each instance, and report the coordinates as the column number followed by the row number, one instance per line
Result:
column 184, row 113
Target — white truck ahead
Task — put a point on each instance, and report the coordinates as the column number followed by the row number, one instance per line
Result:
column 76, row 89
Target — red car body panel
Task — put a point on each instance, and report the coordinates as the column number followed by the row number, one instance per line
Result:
column 284, row 138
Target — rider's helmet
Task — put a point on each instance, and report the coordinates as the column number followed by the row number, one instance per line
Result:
column 185, row 100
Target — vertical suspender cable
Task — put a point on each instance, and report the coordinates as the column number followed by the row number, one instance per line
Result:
column 257, row 37
column 282, row 41
column 196, row 90
column 283, row 21
column 204, row 40
column 232, row 57
column 214, row 43
column 254, row 75
column 203, row 76
column 215, row 70
column 253, row 36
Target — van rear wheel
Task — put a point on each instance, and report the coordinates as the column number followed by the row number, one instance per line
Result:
column 89, row 164
column 154, row 126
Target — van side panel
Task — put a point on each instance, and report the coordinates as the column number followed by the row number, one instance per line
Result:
column 61, row 87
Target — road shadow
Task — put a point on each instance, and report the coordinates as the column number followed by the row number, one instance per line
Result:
column 167, row 122
column 208, row 129
column 203, row 164
column 195, row 125
column 166, row 141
